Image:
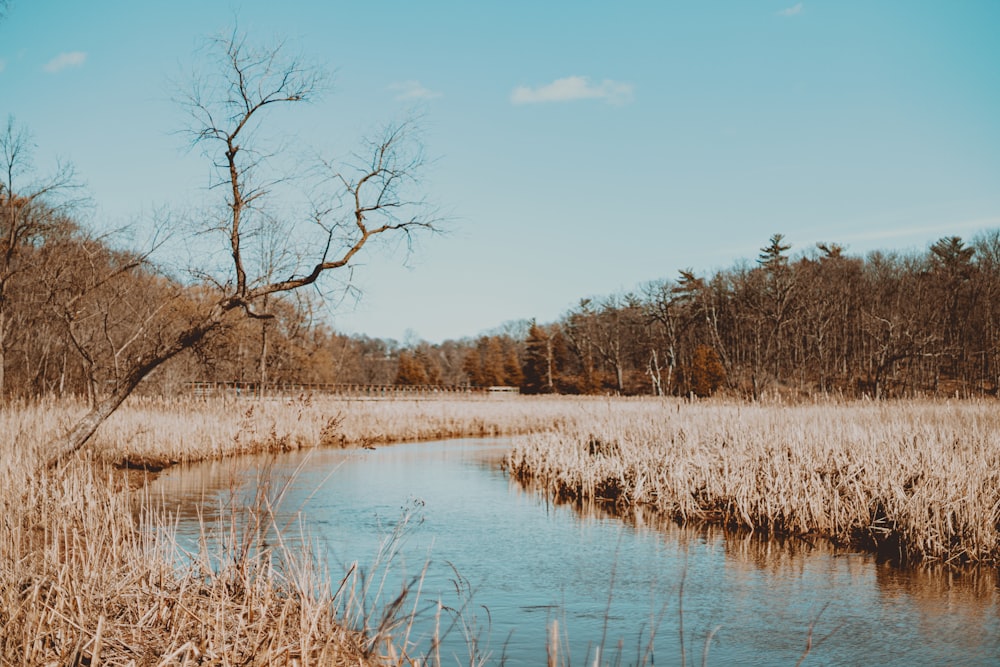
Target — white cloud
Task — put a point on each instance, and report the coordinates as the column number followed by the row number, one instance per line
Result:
column 791, row 11
column 412, row 90
column 64, row 60
column 574, row 88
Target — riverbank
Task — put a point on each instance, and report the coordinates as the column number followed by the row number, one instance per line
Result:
column 514, row 562
column 914, row 481
column 89, row 573
column 82, row 579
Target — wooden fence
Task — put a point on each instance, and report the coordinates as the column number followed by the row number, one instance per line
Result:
column 256, row 390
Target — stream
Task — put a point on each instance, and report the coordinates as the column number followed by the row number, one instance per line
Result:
column 514, row 563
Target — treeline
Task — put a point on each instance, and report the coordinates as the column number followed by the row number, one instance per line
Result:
column 75, row 311
column 886, row 324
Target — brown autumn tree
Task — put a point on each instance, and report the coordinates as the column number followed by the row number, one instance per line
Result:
column 430, row 359
column 32, row 207
column 353, row 205
column 707, row 373
column 112, row 307
column 513, row 376
column 579, row 329
column 411, row 371
column 484, row 363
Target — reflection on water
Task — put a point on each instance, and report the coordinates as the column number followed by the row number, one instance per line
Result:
column 529, row 562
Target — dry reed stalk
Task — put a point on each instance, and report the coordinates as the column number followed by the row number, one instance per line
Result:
column 82, row 580
column 156, row 432
column 914, row 481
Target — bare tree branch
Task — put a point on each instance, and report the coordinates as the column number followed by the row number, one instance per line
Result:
column 28, row 212
column 362, row 201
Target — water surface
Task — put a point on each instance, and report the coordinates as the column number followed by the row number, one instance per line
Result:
column 606, row 581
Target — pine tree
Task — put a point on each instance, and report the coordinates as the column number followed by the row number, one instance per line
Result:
column 772, row 256
column 537, row 369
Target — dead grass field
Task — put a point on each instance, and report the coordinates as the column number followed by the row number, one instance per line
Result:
column 912, row 481
column 84, row 581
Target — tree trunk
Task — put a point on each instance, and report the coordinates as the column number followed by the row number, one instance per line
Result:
column 263, row 357
column 3, row 360
column 549, row 364
column 102, row 409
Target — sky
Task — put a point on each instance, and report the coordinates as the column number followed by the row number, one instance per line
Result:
column 576, row 149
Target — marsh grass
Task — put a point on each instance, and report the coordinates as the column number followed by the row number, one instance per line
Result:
column 90, row 572
column 86, row 578
column 83, row 582
column 910, row 481
column 157, row 432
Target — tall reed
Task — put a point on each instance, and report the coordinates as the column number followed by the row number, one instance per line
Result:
column 86, row 578
column 913, row 481
column 82, row 582
column 89, row 573
column 160, row 431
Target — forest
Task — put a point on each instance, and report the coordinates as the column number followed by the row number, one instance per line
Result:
column 76, row 309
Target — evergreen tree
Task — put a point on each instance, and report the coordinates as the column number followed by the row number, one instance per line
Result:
column 772, row 256
column 537, row 369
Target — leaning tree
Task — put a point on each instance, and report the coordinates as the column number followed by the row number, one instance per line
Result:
column 270, row 248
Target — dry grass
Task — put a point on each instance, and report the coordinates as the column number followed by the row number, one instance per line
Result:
column 89, row 574
column 158, row 431
column 913, row 481
column 85, row 578
column 81, row 583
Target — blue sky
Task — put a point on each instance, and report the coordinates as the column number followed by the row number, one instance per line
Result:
column 579, row 148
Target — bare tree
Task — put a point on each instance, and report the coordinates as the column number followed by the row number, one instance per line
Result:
column 28, row 212
column 577, row 328
column 113, row 307
column 354, row 205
